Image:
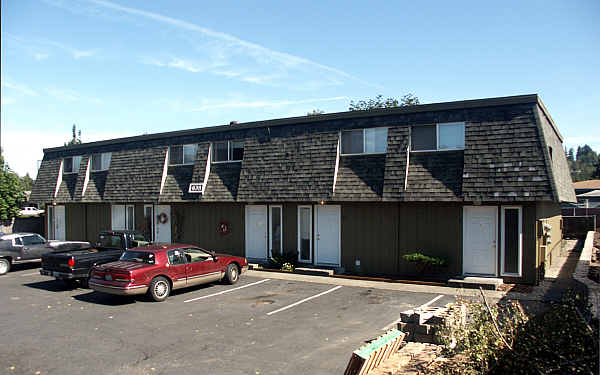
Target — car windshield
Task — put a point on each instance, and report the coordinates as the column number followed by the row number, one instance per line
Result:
column 138, row 257
column 110, row 241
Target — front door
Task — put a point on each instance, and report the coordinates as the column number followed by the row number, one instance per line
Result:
column 256, row 231
column 327, row 234
column 479, row 240
column 178, row 268
column 162, row 224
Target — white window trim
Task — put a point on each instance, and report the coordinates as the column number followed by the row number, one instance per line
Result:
column 182, row 155
column 364, row 142
column 102, row 156
column 229, row 153
column 502, row 239
column 310, row 207
column 437, row 138
column 271, row 227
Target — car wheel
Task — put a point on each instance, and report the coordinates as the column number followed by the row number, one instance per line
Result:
column 4, row 266
column 159, row 289
column 84, row 282
column 232, row 274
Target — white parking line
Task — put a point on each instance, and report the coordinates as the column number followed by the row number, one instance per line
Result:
column 304, row 300
column 226, row 291
column 30, row 274
column 420, row 307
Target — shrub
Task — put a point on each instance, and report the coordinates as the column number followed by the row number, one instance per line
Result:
column 289, row 257
column 424, row 259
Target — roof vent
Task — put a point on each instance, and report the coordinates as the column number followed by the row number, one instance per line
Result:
column 233, row 123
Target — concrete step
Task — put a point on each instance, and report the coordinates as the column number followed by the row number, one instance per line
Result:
column 488, row 283
column 314, row 271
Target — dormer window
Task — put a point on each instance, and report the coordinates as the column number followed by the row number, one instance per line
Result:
column 438, row 137
column 101, row 162
column 364, row 141
column 228, row 151
column 182, row 154
column 71, row 164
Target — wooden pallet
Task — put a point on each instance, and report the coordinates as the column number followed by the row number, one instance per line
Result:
column 369, row 356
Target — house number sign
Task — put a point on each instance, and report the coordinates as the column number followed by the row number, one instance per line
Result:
column 195, row 188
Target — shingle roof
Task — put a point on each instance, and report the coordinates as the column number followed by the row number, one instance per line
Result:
column 506, row 158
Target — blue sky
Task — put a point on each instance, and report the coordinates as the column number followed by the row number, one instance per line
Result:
column 119, row 68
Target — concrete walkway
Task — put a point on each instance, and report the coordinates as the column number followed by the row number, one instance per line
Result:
column 558, row 279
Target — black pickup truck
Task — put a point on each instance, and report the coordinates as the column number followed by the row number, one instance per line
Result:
column 73, row 266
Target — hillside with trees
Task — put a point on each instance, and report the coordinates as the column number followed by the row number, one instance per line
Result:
column 584, row 163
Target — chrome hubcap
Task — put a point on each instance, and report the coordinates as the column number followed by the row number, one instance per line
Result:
column 234, row 274
column 160, row 289
column 3, row 267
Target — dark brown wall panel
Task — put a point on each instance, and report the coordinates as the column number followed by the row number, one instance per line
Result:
column 369, row 234
column 98, row 219
column 197, row 224
column 75, row 222
column 433, row 229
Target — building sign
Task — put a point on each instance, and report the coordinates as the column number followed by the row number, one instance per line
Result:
column 195, row 188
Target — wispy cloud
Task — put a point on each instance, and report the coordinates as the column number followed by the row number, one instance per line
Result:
column 223, row 54
column 264, row 103
column 40, row 48
column 70, row 96
column 23, row 89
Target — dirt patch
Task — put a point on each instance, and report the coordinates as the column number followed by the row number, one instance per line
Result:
column 517, row 288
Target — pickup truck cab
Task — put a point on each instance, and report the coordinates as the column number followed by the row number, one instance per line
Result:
column 22, row 247
column 75, row 266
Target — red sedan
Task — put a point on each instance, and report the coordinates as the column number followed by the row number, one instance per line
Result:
column 158, row 269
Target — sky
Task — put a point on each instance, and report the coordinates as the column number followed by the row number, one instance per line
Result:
column 121, row 68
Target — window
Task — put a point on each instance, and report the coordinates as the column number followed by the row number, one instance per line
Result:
column 448, row 136
column 71, row 164
column 101, row 162
column 196, row 255
column 182, row 154
column 138, row 257
column 512, row 240
column 228, row 151
column 123, row 217
column 364, row 141
column 33, row 240
column 18, row 241
column 176, row 257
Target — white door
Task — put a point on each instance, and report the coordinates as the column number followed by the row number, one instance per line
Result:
column 479, row 240
column 162, row 224
column 327, row 234
column 59, row 223
column 256, row 231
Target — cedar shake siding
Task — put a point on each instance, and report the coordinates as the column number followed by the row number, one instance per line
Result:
column 391, row 203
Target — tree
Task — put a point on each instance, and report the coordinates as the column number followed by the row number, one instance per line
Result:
column 584, row 165
column 315, row 112
column 27, row 182
column 76, row 140
column 11, row 191
column 380, row 102
column 596, row 173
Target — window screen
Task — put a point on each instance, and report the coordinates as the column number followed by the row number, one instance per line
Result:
column 376, row 140
column 352, row 142
column 221, row 151
column 175, row 155
column 423, row 138
column 68, row 165
column 189, row 153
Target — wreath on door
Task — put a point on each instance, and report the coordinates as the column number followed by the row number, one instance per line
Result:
column 163, row 218
column 223, row 228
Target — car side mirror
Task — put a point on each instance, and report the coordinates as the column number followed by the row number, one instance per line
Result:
column 216, row 259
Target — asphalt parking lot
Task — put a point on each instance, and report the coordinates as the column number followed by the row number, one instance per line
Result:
column 261, row 325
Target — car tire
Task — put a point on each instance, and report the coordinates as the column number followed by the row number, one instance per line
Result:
column 4, row 266
column 84, row 282
column 232, row 274
column 159, row 289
